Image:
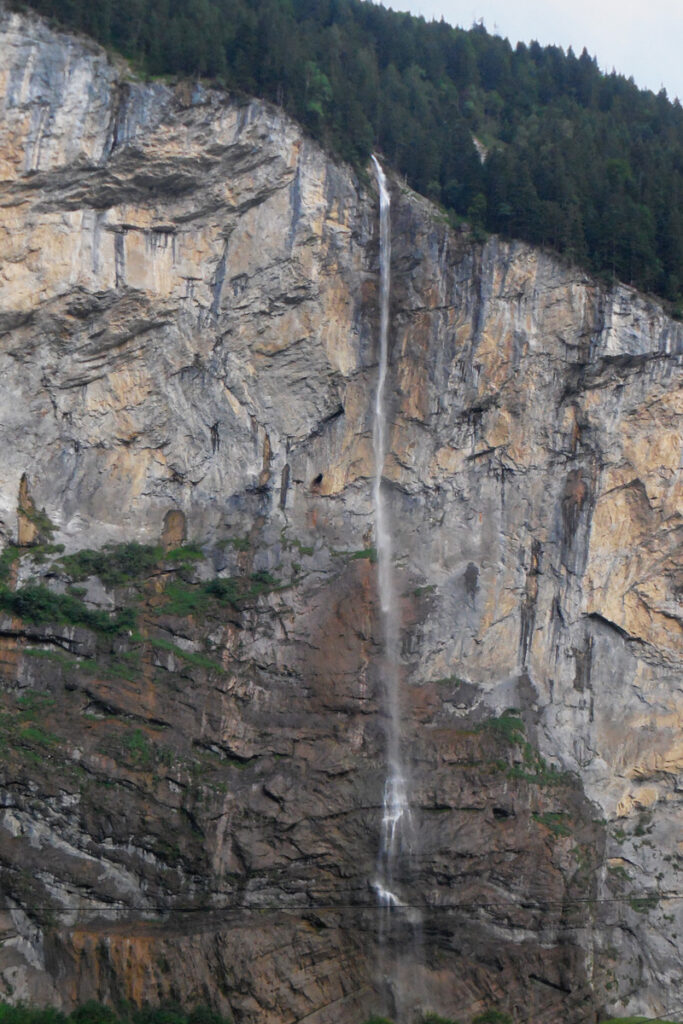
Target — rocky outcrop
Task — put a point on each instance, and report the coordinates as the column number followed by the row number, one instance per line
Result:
column 194, row 753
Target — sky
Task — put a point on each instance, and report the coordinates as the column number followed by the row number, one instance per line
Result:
column 642, row 39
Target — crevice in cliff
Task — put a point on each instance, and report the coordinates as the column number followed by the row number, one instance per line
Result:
column 528, row 607
column 613, row 626
column 550, row 984
column 219, row 279
column 608, row 370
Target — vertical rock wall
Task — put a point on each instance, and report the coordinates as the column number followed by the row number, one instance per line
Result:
column 188, row 322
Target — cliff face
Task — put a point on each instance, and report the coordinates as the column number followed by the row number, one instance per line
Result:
column 188, row 317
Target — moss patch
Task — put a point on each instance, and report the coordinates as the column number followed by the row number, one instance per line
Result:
column 557, row 823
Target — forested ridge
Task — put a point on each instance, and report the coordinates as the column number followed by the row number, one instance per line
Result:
column 579, row 161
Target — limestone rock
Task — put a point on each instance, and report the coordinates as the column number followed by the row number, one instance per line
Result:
column 188, row 329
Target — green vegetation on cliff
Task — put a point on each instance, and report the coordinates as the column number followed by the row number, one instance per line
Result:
column 115, row 564
column 637, row 1020
column 488, row 1017
column 37, row 603
column 497, row 1017
column 576, row 160
column 94, row 1013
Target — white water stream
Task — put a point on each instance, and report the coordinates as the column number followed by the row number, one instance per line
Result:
column 395, row 809
column 396, row 825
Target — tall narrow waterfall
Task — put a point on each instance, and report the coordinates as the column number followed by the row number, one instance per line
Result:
column 395, row 810
column 395, row 835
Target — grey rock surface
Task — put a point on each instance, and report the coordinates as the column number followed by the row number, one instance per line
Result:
column 188, row 329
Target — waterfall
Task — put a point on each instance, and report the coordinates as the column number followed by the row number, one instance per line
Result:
column 395, row 810
column 396, row 826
